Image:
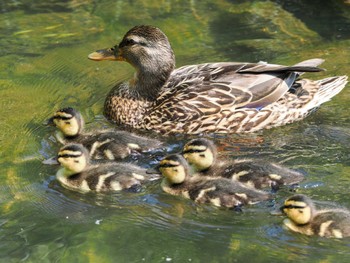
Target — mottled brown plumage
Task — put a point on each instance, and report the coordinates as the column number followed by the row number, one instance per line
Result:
column 223, row 97
column 201, row 153
column 78, row 174
column 304, row 218
column 105, row 144
column 214, row 190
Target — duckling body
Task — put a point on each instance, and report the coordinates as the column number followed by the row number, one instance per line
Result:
column 227, row 97
column 110, row 145
column 305, row 219
column 216, row 191
column 77, row 174
column 202, row 155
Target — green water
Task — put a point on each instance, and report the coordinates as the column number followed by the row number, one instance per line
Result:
column 44, row 66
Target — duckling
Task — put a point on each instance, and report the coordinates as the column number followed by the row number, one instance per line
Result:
column 110, row 145
column 201, row 153
column 217, row 191
column 223, row 97
column 305, row 219
column 78, row 174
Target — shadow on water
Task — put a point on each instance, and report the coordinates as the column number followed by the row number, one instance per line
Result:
column 330, row 19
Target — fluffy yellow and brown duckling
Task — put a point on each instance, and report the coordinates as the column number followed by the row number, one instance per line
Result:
column 305, row 219
column 201, row 153
column 78, row 174
column 227, row 97
column 217, row 191
column 108, row 144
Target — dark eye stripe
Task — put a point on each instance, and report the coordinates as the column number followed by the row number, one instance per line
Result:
column 292, row 206
column 69, row 155
column 192, row 151
column 62, row 118
column 167, row 165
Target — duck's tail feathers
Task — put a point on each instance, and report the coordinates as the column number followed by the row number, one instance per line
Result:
column 329, row 88
column 314, row 62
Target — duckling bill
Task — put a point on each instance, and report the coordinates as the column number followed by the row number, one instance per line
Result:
column 304, row 218
column 201, row 153
column 216, row 191
column 78, row 174
column 108, row 144
column 222, row 97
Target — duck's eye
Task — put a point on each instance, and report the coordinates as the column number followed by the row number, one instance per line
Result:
column 202, row 155
column 67, row 122
column 301, row 211
column 130, row 42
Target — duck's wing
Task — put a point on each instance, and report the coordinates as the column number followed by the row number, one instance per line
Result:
column 214, row 86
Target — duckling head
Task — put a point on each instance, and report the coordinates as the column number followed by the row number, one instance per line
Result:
column 74, row 158
column 299, row 209
column 148, row 50
column 68, row 121
column 200, row 153
column 174, row 168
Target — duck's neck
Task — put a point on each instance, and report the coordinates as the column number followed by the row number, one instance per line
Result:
column 150, row 77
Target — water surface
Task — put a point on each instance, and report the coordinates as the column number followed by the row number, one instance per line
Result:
column 44, row 67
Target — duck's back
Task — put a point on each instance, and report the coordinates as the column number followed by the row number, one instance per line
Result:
column 332, row 223
column 235, row 97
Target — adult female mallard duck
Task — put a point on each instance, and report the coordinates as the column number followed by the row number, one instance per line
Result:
column 78, row 174
column 217, row 191
column 201, row 153
column 223, row 97
column 304, row 218
column 108, row 144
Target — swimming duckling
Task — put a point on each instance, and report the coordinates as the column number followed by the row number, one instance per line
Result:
column 202, row 155
column 304, row 218
column 217, row 191
column 111, row 145
column 76, row 172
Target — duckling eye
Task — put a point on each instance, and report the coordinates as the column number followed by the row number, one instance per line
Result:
column 67, row 122
column 76, row 161
column 202, row 155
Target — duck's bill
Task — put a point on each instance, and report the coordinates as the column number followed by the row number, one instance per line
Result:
column 49, row 122
column 106, row 54
column 51, row 161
